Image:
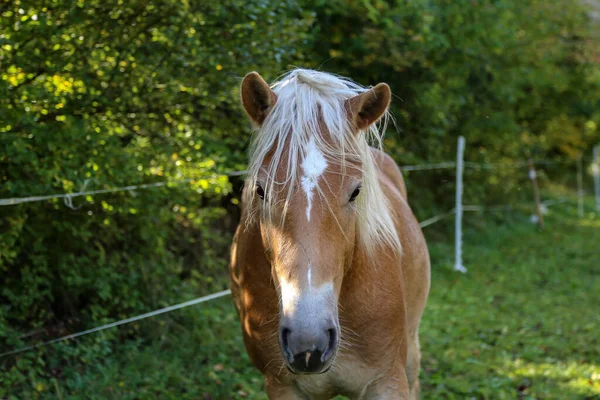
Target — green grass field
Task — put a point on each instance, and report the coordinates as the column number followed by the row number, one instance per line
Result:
column 523, row 323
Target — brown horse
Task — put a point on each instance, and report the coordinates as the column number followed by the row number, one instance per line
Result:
column 329, row 268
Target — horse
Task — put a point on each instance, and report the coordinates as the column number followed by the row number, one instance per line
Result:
column 329, row 269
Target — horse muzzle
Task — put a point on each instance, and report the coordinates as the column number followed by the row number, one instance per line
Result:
column 309, row 349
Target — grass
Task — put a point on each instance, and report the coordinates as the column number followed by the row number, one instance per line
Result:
column 524, row 323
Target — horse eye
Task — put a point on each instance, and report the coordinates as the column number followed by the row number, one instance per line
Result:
column 260, row 191
column 354, row 194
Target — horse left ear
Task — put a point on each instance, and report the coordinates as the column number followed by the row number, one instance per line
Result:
column 366, row 108
column 257, row 97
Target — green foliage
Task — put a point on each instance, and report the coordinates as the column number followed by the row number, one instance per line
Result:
column 516, row 78
column 100, row 94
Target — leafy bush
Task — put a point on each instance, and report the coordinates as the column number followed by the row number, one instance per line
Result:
column 106, row 94
column 516, row 78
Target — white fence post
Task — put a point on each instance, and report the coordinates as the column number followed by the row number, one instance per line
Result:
column 596, row 172
column 458, row 264
column 580, row 186
column 536, row 194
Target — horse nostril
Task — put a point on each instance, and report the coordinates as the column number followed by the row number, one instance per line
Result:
column 285, row 342
column 331, row 345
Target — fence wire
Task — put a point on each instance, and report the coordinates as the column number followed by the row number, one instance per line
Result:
column 67, row 197
column 121, row 322
column 422, row 224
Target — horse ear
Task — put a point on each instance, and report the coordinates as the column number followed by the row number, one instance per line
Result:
column 257, row 97
column 367, row 107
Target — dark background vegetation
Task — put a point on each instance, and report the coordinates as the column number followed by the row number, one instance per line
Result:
column 100, row 94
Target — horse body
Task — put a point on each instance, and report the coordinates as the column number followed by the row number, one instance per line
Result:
column 369, row 301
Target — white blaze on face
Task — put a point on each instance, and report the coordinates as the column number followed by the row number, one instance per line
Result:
column 292, row 296
column 289, row 295
column 314, row 165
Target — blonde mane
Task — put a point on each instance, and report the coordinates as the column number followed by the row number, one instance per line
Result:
column 311, row 104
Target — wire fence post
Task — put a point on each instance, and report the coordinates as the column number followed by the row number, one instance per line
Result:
column 596, row 172
column 458, row 262
column 580, row 186
column 536, row 195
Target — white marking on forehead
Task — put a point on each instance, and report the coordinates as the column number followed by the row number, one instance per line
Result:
column 314, row 165
column 309, row 277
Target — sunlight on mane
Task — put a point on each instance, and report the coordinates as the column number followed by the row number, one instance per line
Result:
column 307, row 101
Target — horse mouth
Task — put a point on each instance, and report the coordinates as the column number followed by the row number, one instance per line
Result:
column 320, row 371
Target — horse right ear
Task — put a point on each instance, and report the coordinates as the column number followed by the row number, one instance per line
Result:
column 366, row 108
column 257, row 97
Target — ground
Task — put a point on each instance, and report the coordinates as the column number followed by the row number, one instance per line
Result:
column 522, row 323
